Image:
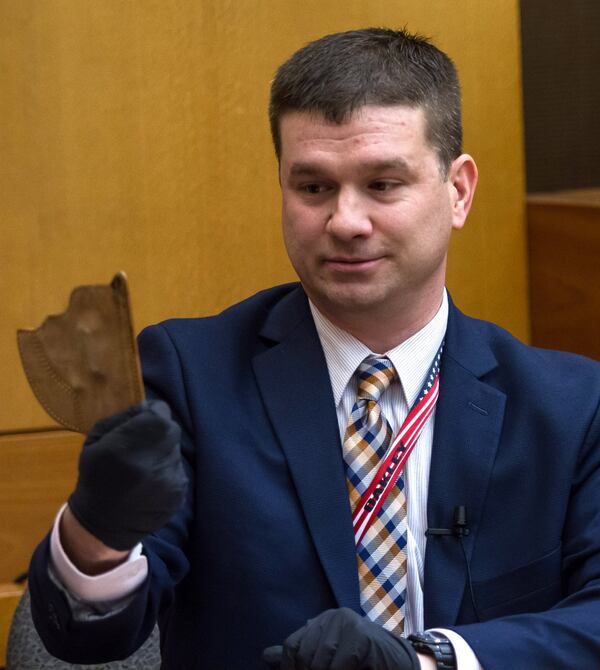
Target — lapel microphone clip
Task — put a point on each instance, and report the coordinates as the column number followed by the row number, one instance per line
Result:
column 460, row 527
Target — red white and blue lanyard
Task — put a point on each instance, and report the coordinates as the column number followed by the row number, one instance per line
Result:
column 398, row 452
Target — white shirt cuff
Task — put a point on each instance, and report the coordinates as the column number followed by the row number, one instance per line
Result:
column 112, row 585
column 465, row 656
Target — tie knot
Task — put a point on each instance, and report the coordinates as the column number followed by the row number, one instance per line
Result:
column 375, row 374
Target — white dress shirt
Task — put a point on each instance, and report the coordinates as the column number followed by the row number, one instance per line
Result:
column 343, row 353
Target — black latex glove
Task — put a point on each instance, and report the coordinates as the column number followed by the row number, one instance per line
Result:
column 131, row 476
column 340, row 639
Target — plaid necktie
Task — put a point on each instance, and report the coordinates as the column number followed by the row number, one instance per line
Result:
column 381, row 552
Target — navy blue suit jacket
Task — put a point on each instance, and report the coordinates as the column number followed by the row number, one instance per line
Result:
column 265, row 540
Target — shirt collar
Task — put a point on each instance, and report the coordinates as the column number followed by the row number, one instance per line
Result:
column 412, row 358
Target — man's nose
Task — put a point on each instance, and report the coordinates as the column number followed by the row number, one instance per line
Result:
column 349, row 217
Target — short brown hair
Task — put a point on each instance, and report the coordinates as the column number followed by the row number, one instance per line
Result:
column 339, row 73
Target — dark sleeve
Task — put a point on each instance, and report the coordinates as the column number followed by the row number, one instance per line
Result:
column 119, row 635
column 567, row 636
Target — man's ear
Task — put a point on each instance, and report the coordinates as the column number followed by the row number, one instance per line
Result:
column 462, row 180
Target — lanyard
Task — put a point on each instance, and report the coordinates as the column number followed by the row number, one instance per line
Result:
column 397, row 454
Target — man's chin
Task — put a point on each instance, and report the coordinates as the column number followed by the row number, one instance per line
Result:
column 348, row 300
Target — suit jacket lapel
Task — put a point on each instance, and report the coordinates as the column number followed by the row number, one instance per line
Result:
column 294, row 383
column 469, row 418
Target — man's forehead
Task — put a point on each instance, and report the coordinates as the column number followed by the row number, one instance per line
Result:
column 389, row 132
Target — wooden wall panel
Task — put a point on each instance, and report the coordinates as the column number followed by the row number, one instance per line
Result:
column 37, row 473
column 564, row 255
column 134, row 136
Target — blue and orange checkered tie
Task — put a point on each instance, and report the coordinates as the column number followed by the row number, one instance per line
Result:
column 381, row 553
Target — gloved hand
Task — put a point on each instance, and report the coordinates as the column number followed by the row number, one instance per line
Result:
column 131, row 476
column 340, row 639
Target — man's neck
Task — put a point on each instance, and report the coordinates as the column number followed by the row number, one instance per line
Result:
column 383, row 330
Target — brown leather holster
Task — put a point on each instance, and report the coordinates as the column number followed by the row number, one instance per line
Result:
column 83, row 364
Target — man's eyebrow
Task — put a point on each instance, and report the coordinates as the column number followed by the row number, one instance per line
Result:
column 301, row 169
column 305, row 170
column 391, row 164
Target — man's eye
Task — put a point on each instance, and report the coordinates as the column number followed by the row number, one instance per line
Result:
column 312, row 188
column 383, row 186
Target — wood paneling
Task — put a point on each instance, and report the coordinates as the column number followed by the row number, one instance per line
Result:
column 37, row 473
column 564, row 259
column 134, row 136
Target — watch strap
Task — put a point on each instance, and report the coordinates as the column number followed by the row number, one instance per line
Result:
column 436, row 645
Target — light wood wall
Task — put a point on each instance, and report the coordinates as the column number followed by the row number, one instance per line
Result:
column 134, row 136
column 37, row 473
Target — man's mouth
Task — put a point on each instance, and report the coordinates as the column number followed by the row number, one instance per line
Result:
column 352, row 263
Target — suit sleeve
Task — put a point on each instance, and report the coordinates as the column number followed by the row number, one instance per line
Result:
column 567, row 636
column 108, row 638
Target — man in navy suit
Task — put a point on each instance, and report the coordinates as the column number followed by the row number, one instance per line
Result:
column 254, row 562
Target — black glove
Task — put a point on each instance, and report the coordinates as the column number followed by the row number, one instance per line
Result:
column 131, row 476
column 342, row 640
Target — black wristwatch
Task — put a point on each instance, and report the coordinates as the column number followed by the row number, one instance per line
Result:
column 436, row 645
